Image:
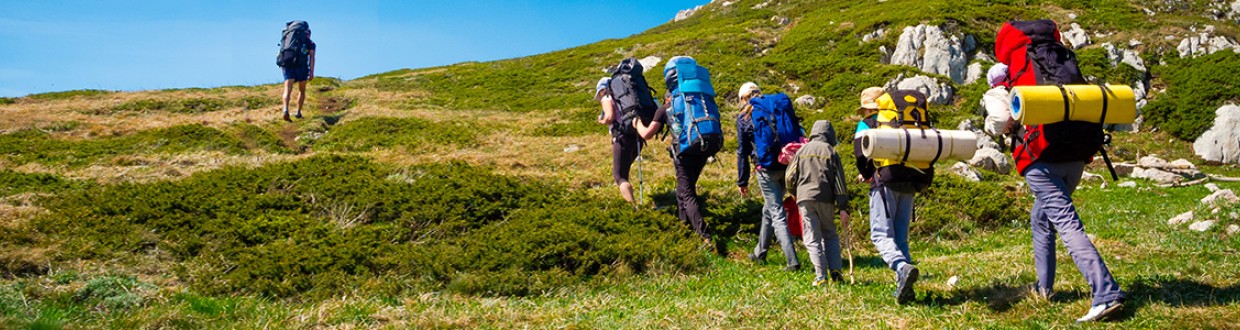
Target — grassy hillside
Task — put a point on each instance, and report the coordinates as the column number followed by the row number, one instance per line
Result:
column 480, row 195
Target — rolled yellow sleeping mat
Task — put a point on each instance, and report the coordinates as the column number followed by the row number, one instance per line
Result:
column 890, row 145
column 1036, row 105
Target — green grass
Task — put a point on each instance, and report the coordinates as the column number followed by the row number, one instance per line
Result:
column 35, row 146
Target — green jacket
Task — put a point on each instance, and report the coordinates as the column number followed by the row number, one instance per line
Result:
column 815, row 173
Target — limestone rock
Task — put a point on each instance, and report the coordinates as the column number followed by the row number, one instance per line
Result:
column 927, row 48
column 650, row 62
column 1156, row 175
column 1203, row 44
column 1201, row 225
column 973, row 73
column 806, row 101
column 1212, row 187
column 1124, row 169
column 1086, row 176
column 908, row 47
column 781, row 20
column 1126, row 56
column 1127, row 184
column 1221, row 143
column 936, row 92
column 1183, row 218
column 1152, row 161
column 686, row 13
column 1076, row 36
column 1225, row 196
column 1233, row 229
column 877, row 34
column 968, row 173
column 991, row 160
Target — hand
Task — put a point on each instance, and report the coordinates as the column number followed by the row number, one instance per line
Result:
column 744, row 190
column 844, row 218
column 860, row 178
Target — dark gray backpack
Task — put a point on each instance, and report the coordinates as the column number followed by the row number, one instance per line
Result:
column 293, row 52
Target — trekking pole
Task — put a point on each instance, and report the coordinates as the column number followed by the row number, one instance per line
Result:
column 640, row 186
column 848, row 248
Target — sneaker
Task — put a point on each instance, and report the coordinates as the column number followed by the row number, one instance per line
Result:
column 286, row 118
column 298, row 115
column 756, row 259
column 1101, row 310
column 904, row 283
column 837, row 277
column 819, row 282
column 792, row 268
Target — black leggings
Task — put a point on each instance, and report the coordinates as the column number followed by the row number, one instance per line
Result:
column 688, row 169
column 624, row 150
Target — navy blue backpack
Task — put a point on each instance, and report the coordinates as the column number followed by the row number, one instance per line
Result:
column 694, row 116
column 775, row 124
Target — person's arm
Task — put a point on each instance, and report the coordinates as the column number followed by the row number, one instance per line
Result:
column 840, row 182
column 647, row 132
column 609, row 110
column 311, row 52
column 744, row 148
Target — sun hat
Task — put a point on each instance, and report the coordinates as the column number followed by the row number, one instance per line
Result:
column 746, row 88
column 869, row 99
column 997, row 74
column 598, row 88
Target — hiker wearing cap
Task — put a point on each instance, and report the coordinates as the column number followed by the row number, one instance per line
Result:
column 890, row 210
column 625, row 144
column 996, row 103
column 774, row 224
column 692, row 118
column 816, row 179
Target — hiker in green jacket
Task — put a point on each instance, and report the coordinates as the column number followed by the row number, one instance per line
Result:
column 816, row 178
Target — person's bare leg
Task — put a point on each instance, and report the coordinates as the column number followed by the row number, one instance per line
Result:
column 626, row 191
column 288, row 91
column 301, row 99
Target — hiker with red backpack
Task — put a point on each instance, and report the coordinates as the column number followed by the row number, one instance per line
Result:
column 893, row 183
column 692, row 117
column 1052, row 158
column 625, row 144
column 816, row 179
column 296, row 58
column 766, row 124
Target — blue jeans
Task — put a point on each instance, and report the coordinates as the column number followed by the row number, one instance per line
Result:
column 774, row 219
column 890, row 214
column 820, row 237
column 1053, row 212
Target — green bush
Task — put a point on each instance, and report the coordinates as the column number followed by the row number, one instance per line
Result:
column 330, row 224
column 1195, row 89
column 7, row 100
column 34, row 146
column 114, row 293
column 67, row 94
column 13, row 182
column 375, row 132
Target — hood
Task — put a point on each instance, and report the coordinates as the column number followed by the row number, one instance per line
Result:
column 823, row 131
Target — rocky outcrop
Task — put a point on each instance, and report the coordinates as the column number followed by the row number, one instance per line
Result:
column 1126, row 56
column 1160, row 171
column 650, row 62
column 806, row 101
column 1203, row 44
column 968, row 173
column 973, row 73
column 1221, row 143
column 991, row 160
column 1183, row 218
column 927, row 48
column 1221, row 198
column 1076, row 36
column 936, row 92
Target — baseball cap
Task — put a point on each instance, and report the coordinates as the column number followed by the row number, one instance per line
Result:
column 869, row 99
column 598, row 88
column 746, row 88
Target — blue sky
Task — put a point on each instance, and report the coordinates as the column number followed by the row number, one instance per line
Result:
column 138, row 45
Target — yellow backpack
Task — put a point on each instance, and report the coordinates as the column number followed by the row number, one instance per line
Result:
column 903, row 109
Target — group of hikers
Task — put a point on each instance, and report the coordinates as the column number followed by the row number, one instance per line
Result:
column 772, row 144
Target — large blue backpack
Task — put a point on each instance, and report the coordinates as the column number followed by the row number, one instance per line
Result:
column 694, row 119
column 775, row 124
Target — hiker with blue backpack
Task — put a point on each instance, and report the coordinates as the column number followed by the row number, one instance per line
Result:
column 296, row 58
column 766, row 124
column 692, row 117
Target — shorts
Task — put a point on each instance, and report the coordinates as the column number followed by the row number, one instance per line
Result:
column 297, row 74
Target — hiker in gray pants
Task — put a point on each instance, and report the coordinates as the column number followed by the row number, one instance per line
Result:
column 1053, row 212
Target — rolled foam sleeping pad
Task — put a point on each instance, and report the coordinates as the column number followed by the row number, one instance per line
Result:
column 892, row 143
column 1036, row 105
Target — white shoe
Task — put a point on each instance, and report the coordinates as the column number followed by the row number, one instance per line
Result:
column 1099, row 311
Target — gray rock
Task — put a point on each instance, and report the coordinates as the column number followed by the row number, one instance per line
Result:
column 1086, row 176
column 781, row 20
column 1233, row 229
column 968, row 173
column 1221, row 143
column 762, row 5
column 650, row 61
column 1156, row 175
column 877, row 34
column 685, row 14
column 1152, row 161
column 1183, row 218
column 1183, row 163
column 991, row 160
column 1127, row 184
column 1124, row 169
column 885, row 57
column 806, row 101
column 1203, row 44
column 1201, row 225
column 908, row 47
column 927, row 48
column 1221, row 197
column 936, row 92
column 1126, row 56
column 973, row 73
column 1076, row 36
column 1212, row 187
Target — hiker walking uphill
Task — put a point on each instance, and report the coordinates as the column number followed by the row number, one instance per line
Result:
column 690, row 113
column 893, row 182
column 625, row 144
column 766, row 124
column 816, row 178
column 296, row 58
column 1052, row 158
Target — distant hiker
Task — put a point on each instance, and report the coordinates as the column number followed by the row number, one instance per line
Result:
column 766, row 124
column 625, row 144
column 690, row 113
column 296, row 57
column 816, row 178
column 893, row 183
column 1052, row 157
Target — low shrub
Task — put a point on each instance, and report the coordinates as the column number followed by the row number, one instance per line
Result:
column 114, row 293
column 1195, row 89
column 13, row 182
column 34, row 146
column 367, row 133
column 67, row 94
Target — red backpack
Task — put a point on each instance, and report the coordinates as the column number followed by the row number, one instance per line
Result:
column 1034, row 54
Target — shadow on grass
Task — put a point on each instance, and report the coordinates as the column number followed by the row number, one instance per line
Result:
column 1000, row 295
column 1176, row 292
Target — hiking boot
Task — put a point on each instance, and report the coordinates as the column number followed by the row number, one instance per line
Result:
column 819, row 282
column 286, row 118
column 904, row 283
column 837, row 277
column 298, row 115
column 1100, row 311
column 756, row 259
column 792, row 268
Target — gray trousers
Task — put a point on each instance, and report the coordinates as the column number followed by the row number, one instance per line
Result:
column 890, row 214
column 1053, row 212
column 820, row 237
column 774, row 219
